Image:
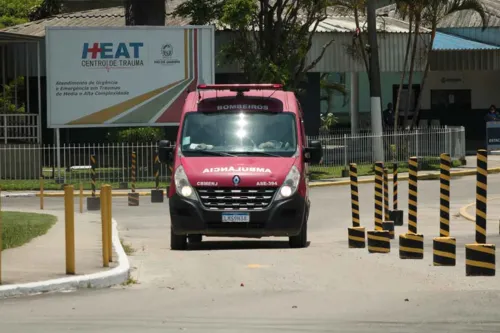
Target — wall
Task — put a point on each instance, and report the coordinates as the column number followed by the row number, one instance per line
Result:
column 485, row 87
column 392, row 48
column 387, row 82
column 20, row 57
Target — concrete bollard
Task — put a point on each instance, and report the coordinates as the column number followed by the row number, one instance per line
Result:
column 356, row 234
column 395, row 214
column 157, row 193
column 411, row 244
column 480, row 257
column 133, row 197
column 444, row 247
column 93, row 202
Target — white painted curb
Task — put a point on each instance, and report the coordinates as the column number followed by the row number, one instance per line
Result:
column 17, row 195
column 114, row 276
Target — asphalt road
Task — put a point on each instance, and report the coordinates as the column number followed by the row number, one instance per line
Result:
column 262, row 285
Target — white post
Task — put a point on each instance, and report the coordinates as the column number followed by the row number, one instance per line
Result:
column 354, row 102
column 378, row 146
column 446, row 140
column 15, row 75
column 416, row 140
column 58, row 153
column 3, row 76
column 39, row 93
column 346, row 165
column 5, row 128
column 27, row 79
column 450, row 140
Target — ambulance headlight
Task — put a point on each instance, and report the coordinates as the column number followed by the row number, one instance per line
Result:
column 182, row 185
column 290, row 185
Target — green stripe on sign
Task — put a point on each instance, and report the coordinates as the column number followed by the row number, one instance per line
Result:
column 145, row 112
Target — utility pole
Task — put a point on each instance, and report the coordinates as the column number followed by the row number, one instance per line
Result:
column 375, row 89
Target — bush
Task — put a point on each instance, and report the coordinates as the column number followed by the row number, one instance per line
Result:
column 140, row 134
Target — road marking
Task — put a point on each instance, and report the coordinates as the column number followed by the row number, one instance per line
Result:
column 467, row 216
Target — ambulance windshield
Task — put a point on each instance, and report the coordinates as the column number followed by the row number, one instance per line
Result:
column 239, row 133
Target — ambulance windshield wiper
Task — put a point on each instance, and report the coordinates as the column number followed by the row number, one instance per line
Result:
column 211, row 152
column 263, row 153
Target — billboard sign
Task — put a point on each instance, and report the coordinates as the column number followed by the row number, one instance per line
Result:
column 124, row 76
column 493, row 135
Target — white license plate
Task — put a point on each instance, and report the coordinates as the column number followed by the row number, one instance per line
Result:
column 236, row 217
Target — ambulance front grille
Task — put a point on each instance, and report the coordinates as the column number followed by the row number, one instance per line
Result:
column 243, row 199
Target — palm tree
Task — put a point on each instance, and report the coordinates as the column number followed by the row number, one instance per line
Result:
column 358, row 9
column 417, row 7
column 405, row 9
column 138, row 12
column 433, row 13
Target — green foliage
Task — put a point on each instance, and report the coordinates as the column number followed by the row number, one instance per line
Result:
column 139, row 134
column 269, row 40
column 200, row 12
column 328, row 121
column 46, row 9
column 7, row 104
column 13, row 12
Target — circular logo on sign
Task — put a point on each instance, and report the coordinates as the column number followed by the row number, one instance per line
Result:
column 167, row 50
column 236, row 180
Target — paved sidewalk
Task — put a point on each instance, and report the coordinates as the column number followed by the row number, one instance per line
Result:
column 493, row 163
column 58, row 193
column 44, row 257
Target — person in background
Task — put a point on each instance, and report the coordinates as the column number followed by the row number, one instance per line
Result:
column 389, row 117
column 492, row 114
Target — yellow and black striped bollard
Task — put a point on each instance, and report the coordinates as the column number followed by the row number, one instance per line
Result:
column 444, row 246
column 411, row 244
column 379, row 171
column 387, row 224
column 379, row 240
column 93, row 202
column 480, row 257
column 157, row 193
column 396, row 215
column 133, row 197
column 356, row 234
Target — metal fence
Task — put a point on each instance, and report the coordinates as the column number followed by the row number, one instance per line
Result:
column 20, row 127
column 425, row 143
column 29, row 162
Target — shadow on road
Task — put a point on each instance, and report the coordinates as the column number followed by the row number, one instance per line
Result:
column 239, row 245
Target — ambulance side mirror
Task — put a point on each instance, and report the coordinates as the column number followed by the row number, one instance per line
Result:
column 314, row 152
column 165, row 151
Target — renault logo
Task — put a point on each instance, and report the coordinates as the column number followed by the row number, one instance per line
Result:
column 236, row 180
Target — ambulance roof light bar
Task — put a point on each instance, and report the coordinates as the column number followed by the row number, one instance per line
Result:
column 240, row 87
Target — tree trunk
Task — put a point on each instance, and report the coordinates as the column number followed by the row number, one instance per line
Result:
column 361, row 43
column 424, row 78
column 137, row 12
column 403, row 75
column 412, row 67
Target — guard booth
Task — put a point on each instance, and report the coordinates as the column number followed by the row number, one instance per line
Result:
column 493, row 135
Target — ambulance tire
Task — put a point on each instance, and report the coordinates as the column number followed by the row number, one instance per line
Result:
column 300, row 241
column 177, row 242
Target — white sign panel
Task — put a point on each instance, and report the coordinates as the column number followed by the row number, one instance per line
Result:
column 124, row 76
